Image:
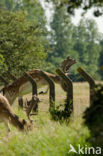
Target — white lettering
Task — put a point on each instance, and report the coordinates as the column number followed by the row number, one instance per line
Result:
column 85, row 150
column 98, row 150
column 80, row 149
column 91, row 150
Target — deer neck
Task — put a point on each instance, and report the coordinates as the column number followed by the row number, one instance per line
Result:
column 10, row 98
column 11, row 93
column 56, row 79
column 6, row 113
column 14, row 119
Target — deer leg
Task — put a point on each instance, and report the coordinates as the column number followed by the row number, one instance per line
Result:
column 7, row 125
column 20, row 102
column 44, row 92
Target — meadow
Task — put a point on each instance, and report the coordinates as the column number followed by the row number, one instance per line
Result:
column 48, row 137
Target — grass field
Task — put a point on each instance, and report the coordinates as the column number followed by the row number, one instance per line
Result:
column 48, row 138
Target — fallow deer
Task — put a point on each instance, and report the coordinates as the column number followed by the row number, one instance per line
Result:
column 7, row 116
column 22, row 86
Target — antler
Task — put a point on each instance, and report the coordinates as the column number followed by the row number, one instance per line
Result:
column 67, row 63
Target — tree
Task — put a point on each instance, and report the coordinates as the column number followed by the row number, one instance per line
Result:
column 61, row 38
column 22, row 43
column 101, row 59
column 84, row 4
column 87, row 44
column 32, row 8
column 81, row 42
column 10, row 5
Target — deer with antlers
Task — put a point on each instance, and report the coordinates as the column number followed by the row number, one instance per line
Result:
column 21, row 86
column 7, row 116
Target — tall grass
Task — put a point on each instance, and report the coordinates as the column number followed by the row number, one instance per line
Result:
column 47, row 137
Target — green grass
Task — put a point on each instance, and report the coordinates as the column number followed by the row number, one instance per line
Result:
column 48, row 138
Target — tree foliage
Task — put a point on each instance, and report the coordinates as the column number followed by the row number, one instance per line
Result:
column 101, row 59
column 22, row 42
column 61, row 37
column 84, row 4
column 87, row 44
column 81, row 42
column 94, row 117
